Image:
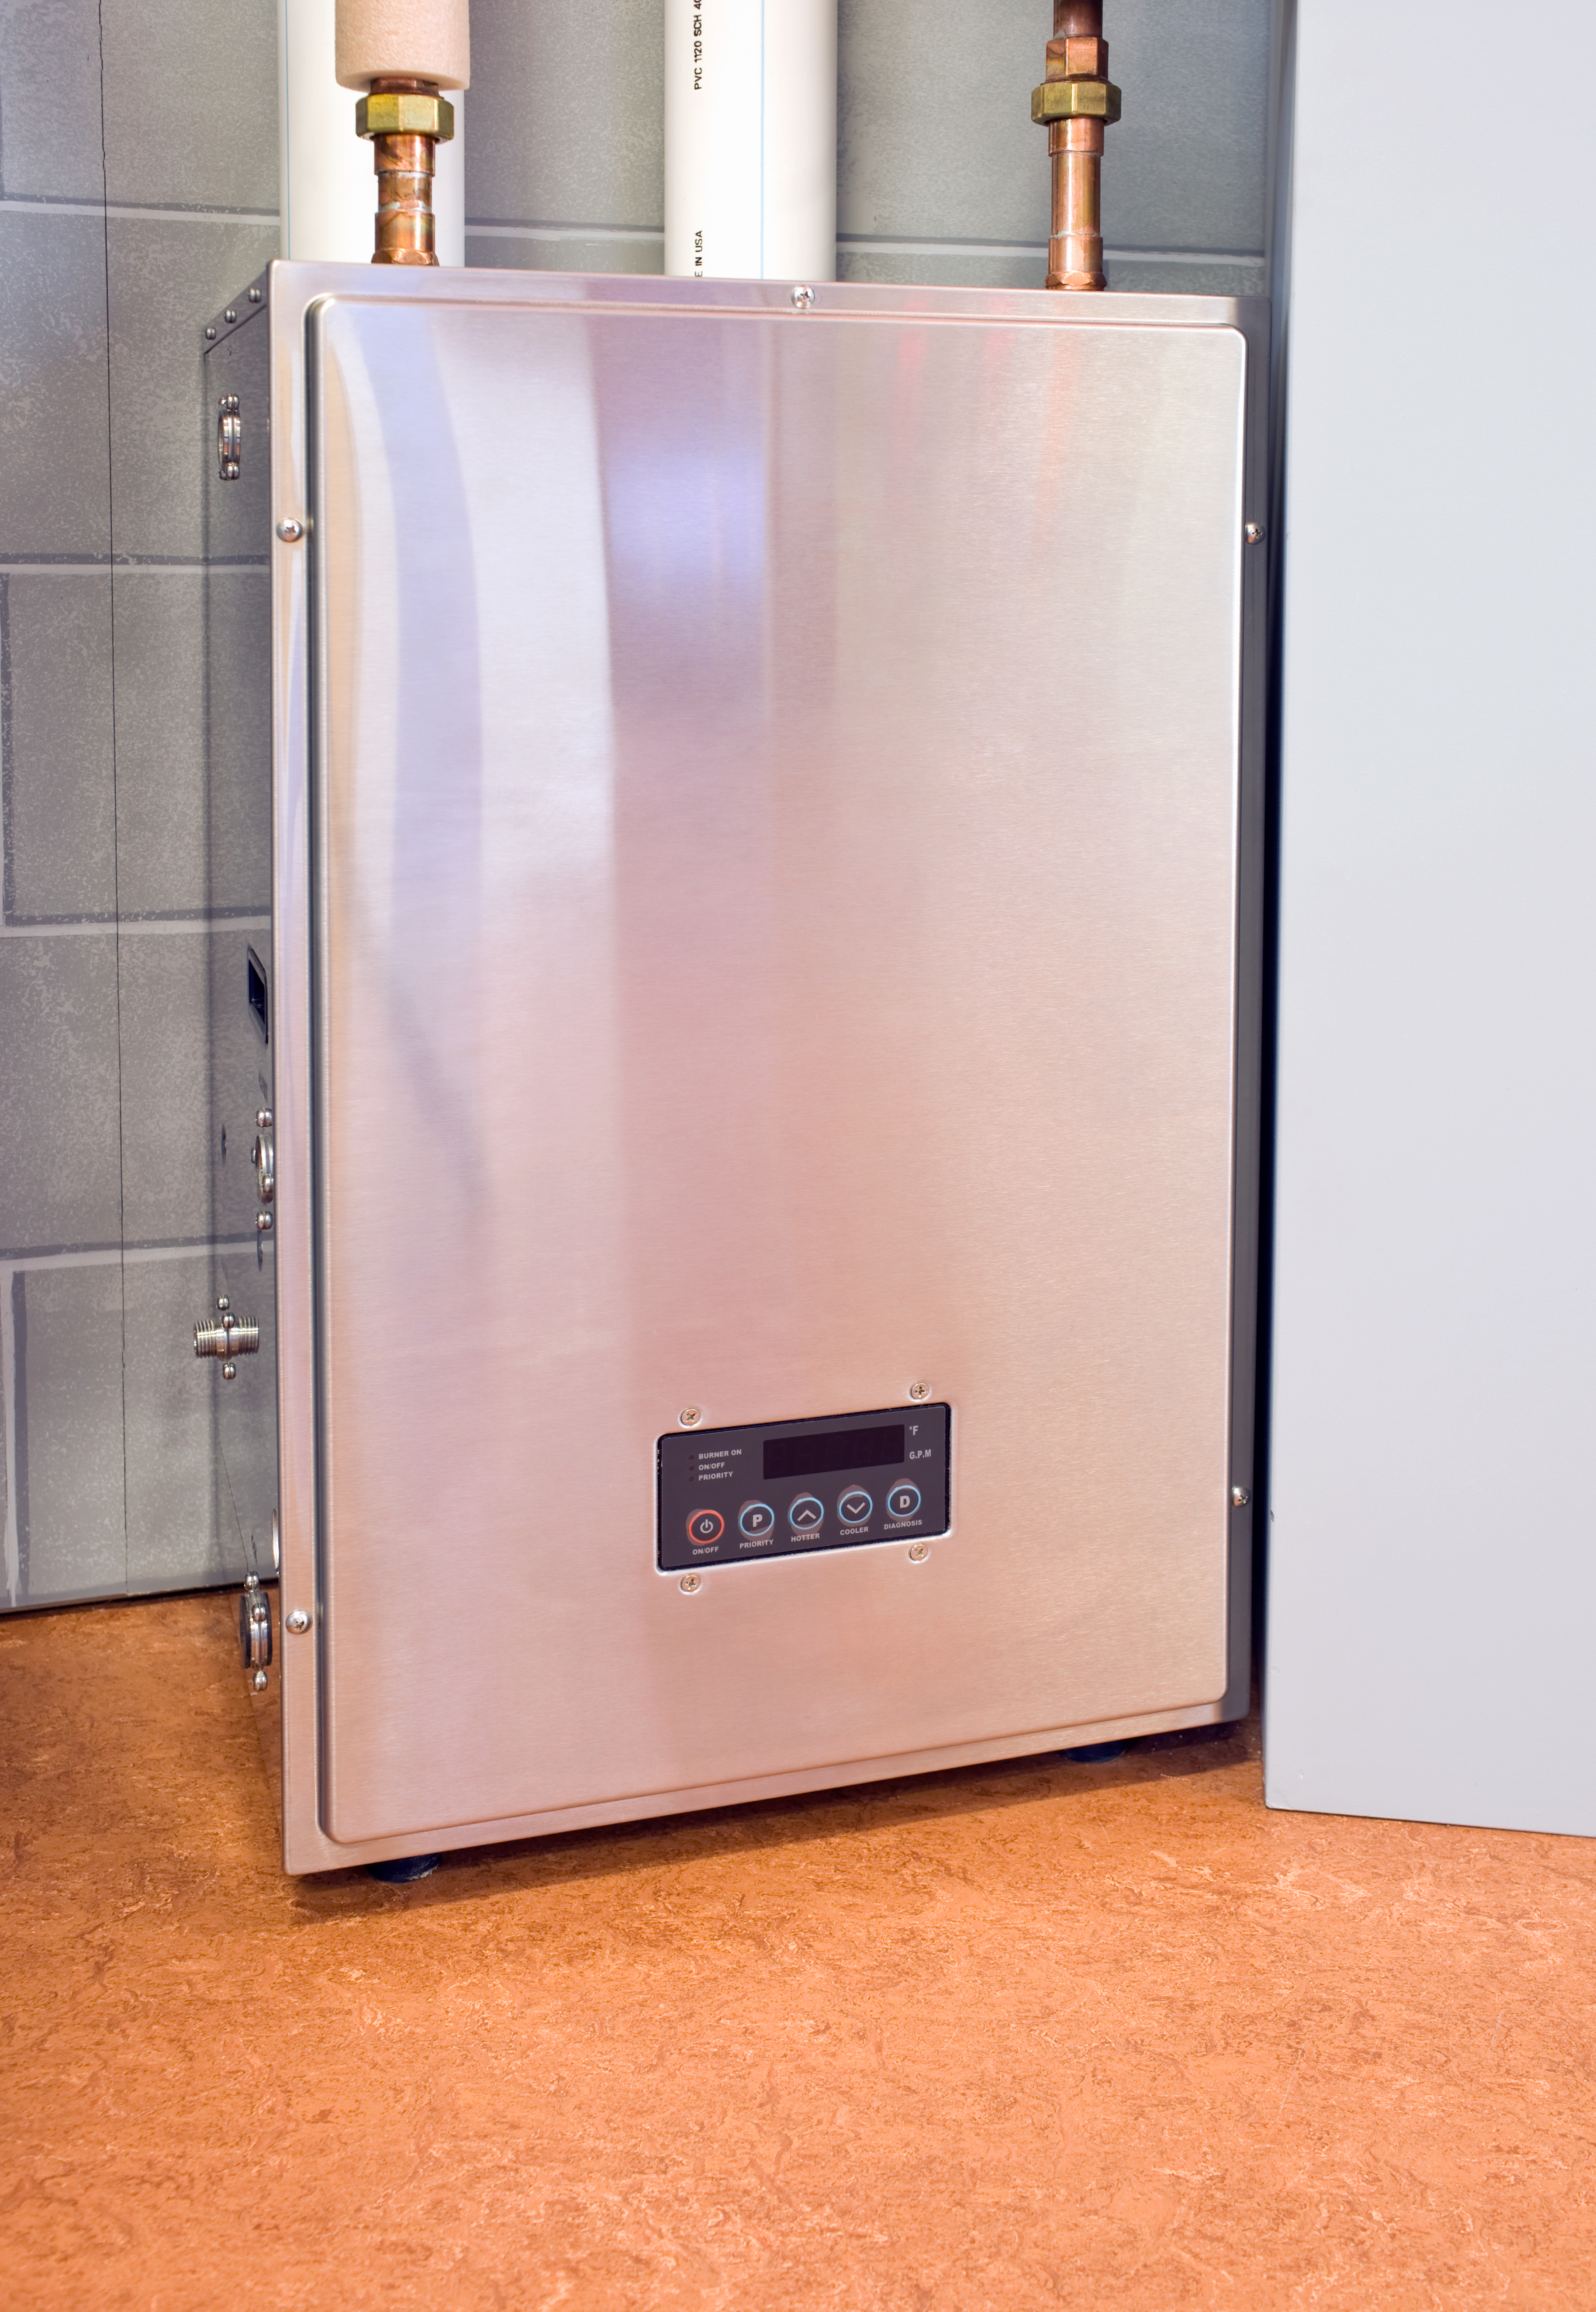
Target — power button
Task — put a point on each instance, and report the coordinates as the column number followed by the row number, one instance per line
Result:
column 705, row 1526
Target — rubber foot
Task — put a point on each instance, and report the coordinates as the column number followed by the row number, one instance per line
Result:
column 404, row 1870
column 1093, row 1754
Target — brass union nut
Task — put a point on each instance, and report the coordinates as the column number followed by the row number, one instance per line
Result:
column 1074, row 100
column 389, row 113
column 1077, row 59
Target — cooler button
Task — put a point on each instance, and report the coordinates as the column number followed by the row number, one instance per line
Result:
column 855, row 1506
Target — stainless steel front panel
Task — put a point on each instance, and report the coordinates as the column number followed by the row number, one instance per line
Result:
column 771, row 920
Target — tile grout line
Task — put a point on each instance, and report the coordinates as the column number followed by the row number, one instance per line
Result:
column 149, row 567
column 134, row 926
column 864, row 244
column 131, row 212
column 101, row 1255
column 885, row 245
column 497, row 229
column 111, row 525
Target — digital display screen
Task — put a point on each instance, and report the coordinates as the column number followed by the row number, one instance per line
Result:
column 833, row 1451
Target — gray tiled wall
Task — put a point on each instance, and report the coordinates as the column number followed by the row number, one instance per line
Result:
column 191, row 106
column 60, row 832
column 137, row 192
column 138, row 153
column 565, row 124
column 50, row 139
column 55, row 460
column 66, row 1332
column 60, row 1127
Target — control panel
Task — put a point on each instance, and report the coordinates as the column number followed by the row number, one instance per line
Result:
column 727, row 1495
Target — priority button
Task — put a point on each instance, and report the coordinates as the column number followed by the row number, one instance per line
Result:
column 705, row 1526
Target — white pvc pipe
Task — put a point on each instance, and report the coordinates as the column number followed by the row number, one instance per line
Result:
column 328, row 185
column 751, row 139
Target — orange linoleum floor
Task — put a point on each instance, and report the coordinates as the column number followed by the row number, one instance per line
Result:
column 1027, row 2036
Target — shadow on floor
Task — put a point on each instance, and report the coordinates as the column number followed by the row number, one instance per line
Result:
column 612, row 1849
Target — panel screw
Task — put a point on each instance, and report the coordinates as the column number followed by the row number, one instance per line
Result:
column 263, row 1224
column 1239, row 1497
column 210, row 333
column 691, row 1582
column 290, row 532
column 263, row 1119
column 232, row 313
column 1254, row 533
column 299, row 1621
column 690, row 1416
column 254, row 296
column 803, row 298
column 919, row 1388
column 229, row 1373
column 919, row 1551
column 259, row 1681
column 223, row 1303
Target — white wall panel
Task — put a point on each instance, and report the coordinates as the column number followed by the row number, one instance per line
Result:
column 1433, row 1606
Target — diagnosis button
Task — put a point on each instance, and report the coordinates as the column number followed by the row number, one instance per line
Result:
column 705, row 1526
column 902, row 1501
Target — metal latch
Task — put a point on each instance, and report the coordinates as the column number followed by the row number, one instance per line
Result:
column 226, row 1338
column 230, row 437
column 255, row 1630
column 264, row 1156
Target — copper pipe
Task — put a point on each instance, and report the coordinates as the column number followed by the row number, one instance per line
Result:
column 1076, row 103
column 405, row 120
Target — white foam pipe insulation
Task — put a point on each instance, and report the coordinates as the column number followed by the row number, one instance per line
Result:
column 328, row 187
column 751, row 139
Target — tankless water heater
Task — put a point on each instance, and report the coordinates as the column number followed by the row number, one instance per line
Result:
column 752, row 1074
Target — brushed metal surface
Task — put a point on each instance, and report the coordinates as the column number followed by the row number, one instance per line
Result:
column 238, row 643
column 776, row 866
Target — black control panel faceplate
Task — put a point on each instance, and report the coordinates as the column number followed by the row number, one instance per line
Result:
column 778, row 1487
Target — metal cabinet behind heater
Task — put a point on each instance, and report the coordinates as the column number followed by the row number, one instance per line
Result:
column 758, row 1032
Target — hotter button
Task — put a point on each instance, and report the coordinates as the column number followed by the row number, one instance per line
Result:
column 855, row 1506
column 705, row 1526
column 902, row 1501
column 806, row 1513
